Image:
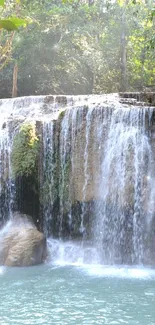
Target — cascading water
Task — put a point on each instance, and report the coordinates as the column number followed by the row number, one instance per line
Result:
column 7, row 187
column 47, row 192
column 87, row 176
column 64, row 183
column 68, row 155
column 116, row 142
column 124, row 189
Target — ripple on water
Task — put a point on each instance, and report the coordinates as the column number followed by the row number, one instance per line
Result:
column 75, row 295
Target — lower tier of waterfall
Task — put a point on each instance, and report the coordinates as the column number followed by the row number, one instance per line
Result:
column 84, row 170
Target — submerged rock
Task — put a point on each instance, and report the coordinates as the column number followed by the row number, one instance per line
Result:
column 21, row 244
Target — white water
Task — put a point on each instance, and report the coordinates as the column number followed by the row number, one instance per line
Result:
column 64, row 160
column 48, row 107
column 71, row 253
column 7, row 187
column 125, row 189
column 68, row 155
column 125, row 272
column 87, row 176
column 47, row 178
column 86, row 258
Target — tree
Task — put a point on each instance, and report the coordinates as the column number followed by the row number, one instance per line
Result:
column 8, row 24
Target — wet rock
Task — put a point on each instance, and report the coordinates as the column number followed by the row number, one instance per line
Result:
column 144, row 97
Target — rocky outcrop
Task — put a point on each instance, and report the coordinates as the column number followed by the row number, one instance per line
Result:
column 144, row 98
column 21, row 244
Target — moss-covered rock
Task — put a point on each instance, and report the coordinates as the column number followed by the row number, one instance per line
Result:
column 25, row 151
column 62, row 113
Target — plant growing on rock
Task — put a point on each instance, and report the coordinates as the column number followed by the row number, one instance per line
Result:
column 62, row 112
column 25, row 151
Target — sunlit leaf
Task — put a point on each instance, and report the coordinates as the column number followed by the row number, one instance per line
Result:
column 2, row 2
column 18, row 22
column 121, row 2
column 69, row 1
column 7, row 24
column 12, row 23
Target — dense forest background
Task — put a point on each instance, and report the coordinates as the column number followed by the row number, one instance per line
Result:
column 79, row 47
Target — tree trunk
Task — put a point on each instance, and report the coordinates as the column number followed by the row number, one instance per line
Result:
column 15, row 77
column 124, row 82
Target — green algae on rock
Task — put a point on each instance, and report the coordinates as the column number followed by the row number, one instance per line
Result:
column 25, row 150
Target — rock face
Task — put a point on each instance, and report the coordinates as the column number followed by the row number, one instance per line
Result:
column 21, row 244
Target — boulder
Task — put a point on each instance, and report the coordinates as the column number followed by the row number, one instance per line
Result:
column 21, row 244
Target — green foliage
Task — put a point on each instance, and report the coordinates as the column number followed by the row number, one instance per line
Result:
column 75, row 47
column 12, row 24
column 9, row 23
column 3, row 2
column 25, row 151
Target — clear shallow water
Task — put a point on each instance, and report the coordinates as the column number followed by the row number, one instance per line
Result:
column 68, row 295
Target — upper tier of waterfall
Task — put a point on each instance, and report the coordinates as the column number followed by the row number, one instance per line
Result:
column 45, row 107
column 38, row 107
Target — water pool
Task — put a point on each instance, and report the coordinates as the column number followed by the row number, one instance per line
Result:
column 72, row 295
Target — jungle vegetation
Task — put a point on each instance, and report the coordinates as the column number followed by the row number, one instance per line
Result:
column 76, row 46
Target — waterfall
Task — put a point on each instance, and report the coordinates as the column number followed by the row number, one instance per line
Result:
column 96, row 174
column 124, row 189
column 105, row 186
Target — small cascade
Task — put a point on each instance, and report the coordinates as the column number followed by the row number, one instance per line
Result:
column 68, row 155
column 69, row 252
column 87, row 176
column 64, row 179
column 47, row 183
column 7, row 187
column 76, row 121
